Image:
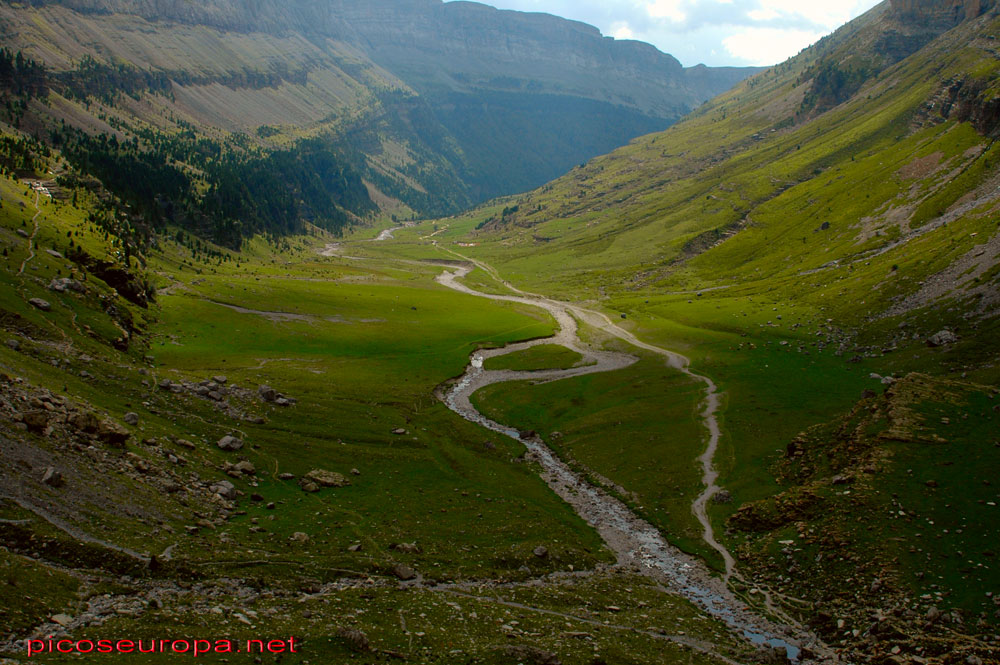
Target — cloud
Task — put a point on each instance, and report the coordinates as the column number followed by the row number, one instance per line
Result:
column 716, row 32
column 767, row 46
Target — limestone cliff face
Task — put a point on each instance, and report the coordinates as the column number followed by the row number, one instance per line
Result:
column 458, row 46
column 444, row 104
column 940, row 13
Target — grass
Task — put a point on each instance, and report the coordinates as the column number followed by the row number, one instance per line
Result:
column 542, row 356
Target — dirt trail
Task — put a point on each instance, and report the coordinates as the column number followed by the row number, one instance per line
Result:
column 635, row 542
column 31, row 239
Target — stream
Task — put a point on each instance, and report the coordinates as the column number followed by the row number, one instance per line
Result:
column 635, row 542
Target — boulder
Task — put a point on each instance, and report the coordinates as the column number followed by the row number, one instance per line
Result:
column 286, row 476
column 327, row 478
column 37, row 421
column 85, row 422
column 267, row 393
column 43, row 305
column 131, row 418
column 943, row 338
column 300, row 538
column 722, row 496
column 357, row 640
column 53, row 478
column 112, row 433
column 220, row 379
column 399, row 431
column 64, row 284
column 308, row 485
column 245, row 467
column 403, row 572
column 229, row 443
column 407, row 548
column 541, row 552
column 225, row 489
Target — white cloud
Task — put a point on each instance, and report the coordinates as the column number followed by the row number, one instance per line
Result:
column 767, row 46
column 715, row 32
column 622, row 31
column 668, row 9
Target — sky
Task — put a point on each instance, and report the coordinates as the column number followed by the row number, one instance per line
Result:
column 713, row 32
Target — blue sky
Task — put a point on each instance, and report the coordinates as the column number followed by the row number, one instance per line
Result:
column 713, row 32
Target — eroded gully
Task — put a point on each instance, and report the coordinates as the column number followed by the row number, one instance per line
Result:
column 635, row 542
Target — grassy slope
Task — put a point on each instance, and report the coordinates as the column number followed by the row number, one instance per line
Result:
column 371, row 342
column 828, row 222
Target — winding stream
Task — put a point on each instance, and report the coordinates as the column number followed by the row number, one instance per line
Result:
column 636, row 543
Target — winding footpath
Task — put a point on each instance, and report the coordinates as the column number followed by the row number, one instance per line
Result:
column 636, row 543
column 31, row 240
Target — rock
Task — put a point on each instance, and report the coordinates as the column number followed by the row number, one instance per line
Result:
column 933, row 614
column 220, row 379
column 973, row 660
column 184, row 443
column 931, row 483
column 131, row 418
column 225, row 489
column 399, row 431
column 541, row 552
column 257, row 497
column 245, row 467
column 357, row 640
column 308, row 486
column 355, row 472
column 53, row 478
column 14, row 345
column 38, row 303
column 403, row 572
column 229, row 443
column 54, row 254
column 271, row 506
column 840, row 480
column 23, row 233
column 327, row 478
column 524, row 435
column 61, row 619
column 37, row 421
column 64, row 284
column 84, row 421
column 534, row 656
column 267, row 393
column 722, row 496
column 407, row 548
column 112, row 433
column 282, row 401
column 356, row 547
column 286, row 476
column 868, row 394
column 943, row 338
column 771, row 655
column 166, row 384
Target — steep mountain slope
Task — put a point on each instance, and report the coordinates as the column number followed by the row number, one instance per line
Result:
column 437, row 105
column 825, row 231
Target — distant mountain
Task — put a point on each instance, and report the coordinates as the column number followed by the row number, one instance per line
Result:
column 436, row 106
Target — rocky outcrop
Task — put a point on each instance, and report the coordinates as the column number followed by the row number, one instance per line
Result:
column 939, row 14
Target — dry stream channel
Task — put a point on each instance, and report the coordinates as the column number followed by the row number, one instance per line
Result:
column 636, row 542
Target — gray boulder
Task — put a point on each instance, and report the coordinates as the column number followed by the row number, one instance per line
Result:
column 43, row 305
column 943, row 338
column 230, row 443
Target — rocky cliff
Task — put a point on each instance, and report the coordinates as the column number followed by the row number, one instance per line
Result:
column 940, row 13
column 446, row 104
